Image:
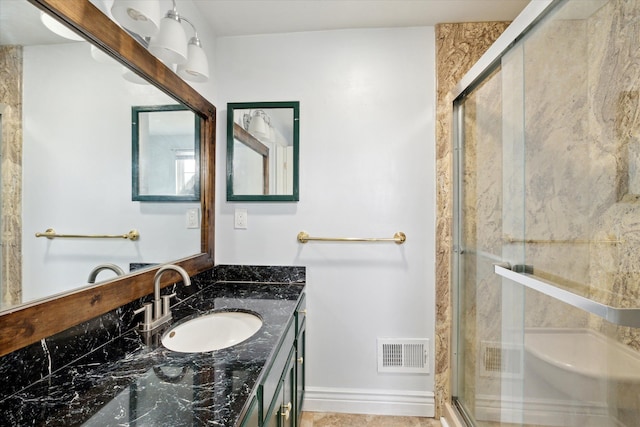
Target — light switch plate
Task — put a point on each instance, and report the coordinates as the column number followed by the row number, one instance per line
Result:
column 240, row 219
column 193, row 218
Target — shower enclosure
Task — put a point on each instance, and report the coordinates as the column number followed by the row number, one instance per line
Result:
column 547, row 222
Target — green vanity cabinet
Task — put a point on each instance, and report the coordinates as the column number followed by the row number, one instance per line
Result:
column 278, row 402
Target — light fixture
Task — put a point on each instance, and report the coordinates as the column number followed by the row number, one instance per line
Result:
column 197, row 67
column 140, row 16
column 259, row 124
column 58, row 28
column 170, row 43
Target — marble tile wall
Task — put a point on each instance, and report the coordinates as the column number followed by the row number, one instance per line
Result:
column 11, row 173
column 458, row 47
column 614, row 136
column 558, row 181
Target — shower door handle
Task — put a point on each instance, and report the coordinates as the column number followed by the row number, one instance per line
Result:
column 505, row 265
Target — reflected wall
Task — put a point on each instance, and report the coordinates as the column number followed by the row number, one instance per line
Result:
column 77, row 145
column 11, row 174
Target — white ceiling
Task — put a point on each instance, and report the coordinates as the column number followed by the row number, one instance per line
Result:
column 20, row 24
column 244, row 17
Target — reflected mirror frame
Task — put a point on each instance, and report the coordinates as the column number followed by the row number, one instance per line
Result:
column 135, row 156
column 295, row 196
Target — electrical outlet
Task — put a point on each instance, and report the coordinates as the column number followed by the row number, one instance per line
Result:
column 193, row 218
column 240, row 219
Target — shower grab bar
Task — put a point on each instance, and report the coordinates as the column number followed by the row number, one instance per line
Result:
column 399, row 238
column 50, row 233
column 618, row 316
column 510, row 239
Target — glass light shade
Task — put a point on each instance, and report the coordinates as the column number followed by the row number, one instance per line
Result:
column 132, row 77
column 59, row 28
column 140, row 16
column 170, row 43
column 196, row 69
column 258, row 127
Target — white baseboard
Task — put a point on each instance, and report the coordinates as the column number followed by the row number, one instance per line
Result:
column 545, row 412
column 371, row 402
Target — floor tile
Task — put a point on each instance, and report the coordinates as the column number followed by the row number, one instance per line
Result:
column 329, row 419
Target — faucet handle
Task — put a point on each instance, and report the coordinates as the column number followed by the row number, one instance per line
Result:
column 166, row 303
column 148, row 312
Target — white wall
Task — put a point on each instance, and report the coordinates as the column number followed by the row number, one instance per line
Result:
column 77, row 172
column 367, row 112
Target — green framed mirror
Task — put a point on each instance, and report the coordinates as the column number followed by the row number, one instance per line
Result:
column 165, row 154
column 263, row 151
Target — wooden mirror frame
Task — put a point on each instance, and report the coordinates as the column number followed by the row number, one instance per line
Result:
column 28, row 323
column 250, row 141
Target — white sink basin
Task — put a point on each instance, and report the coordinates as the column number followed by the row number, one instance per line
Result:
column 211, row 332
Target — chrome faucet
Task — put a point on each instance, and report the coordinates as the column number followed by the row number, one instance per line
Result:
column 158, row 312
column 99, row 268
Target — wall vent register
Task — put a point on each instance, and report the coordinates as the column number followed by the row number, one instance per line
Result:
column 403, row 355
column 500, row 360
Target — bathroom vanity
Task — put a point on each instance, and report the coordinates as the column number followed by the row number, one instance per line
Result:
column 132, row 379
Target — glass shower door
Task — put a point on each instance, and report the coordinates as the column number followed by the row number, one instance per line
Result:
column 488, row 385
column 547, row 228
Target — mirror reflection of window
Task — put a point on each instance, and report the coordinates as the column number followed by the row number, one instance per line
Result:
column 185, row 171
column 248, row 170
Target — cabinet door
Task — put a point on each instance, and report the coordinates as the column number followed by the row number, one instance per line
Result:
column 276, row 371
column 300, row 369
column 288, row 412
column 251, row 418
column 282, row 412
column 301, row 312
column 273, row 418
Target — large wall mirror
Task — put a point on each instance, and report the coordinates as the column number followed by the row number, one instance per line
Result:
column 263, row 151
column 65, row 112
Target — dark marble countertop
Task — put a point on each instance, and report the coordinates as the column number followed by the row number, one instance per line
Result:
column 133, row 381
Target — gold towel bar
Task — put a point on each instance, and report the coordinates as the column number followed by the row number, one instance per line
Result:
column 399, row 238
column 50, row 233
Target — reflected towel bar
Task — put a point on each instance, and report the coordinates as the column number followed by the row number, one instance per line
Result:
column 50, row 233
column 617, row 316
column 399, row 238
